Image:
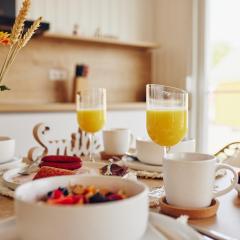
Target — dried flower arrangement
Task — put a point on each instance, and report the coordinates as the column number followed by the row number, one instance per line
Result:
column 17, row 39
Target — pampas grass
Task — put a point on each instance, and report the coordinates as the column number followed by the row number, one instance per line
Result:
column 18, row 40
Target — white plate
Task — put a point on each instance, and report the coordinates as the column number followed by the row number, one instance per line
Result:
column 10, row 175
column 15, row 162
column 170, row 226
column 12, row 179
column 137, row 165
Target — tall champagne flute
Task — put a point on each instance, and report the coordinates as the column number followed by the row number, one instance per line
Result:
column 91, row 112
column 167, row 114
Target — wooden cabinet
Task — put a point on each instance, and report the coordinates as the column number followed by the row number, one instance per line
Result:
column 124, row 68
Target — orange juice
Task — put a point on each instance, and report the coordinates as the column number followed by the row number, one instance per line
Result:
column 91, row 120
column 167, row 127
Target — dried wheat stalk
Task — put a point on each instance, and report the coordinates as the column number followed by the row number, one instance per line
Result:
column 19, row 22
column 27, row 36
column 18, row 40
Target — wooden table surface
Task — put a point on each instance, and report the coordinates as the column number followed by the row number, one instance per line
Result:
column 226, row 221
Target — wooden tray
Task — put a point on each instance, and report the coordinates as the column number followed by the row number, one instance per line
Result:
column 193, row 213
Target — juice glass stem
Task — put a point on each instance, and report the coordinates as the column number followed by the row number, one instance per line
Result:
column 166, row 150
column 91, row 143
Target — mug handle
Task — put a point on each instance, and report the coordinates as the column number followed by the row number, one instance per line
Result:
column 233, row 184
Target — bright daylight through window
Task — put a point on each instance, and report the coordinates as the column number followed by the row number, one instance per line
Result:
column 224, row 74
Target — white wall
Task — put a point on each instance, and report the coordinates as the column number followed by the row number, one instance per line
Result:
column 126, row 19
column 20, row 126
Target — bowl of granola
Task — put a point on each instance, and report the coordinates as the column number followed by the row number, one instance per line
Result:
column 81, row 207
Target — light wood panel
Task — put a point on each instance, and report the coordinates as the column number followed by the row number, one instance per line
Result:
column 123, row 70
column 174, row 30
column 65, row 107
column 109, row 41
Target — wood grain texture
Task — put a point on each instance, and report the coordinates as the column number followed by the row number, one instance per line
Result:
column 65, row 107
column 174, row 31
column 123, row 70
column 192, row 213
column 108, row 41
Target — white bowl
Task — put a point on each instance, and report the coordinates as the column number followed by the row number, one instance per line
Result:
column 125, row 219
column 188, row 145
column 151, row 153
column 7, row 149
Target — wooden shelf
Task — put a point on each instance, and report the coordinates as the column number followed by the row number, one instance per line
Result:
column 63, row 107
column 107, row 41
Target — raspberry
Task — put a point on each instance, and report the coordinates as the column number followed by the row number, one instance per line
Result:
column 114, row 197
column 56, row 194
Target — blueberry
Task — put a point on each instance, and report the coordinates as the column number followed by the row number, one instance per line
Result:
column 97, row 198
column 49, row 194
column 65, row 192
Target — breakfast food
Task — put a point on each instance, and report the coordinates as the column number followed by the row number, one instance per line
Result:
column 63, row 162
column 114, row 169
column 68, row 166
column 61, row 159
column 51, row 171
column 79, row 195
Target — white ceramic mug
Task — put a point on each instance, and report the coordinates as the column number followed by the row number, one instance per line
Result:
column 7, row 149
column 117, row 141
column 189, row 179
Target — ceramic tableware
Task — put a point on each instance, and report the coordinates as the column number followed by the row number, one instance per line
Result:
column 117, row 141
column 151, row 153
column 186, row 145
column 7, row 149
column 189, row 179
column 156, row 224
column 124, row 219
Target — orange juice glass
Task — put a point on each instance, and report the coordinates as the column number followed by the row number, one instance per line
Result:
column 166, row 115
column 91, row 112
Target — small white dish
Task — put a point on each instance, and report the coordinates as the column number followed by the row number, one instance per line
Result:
column 7, row 149
column 12, row 179
column 149, row 152
column 156, row 221
column 12, row 160
column 140, row 166
column 13, row 163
